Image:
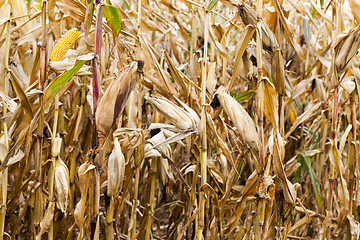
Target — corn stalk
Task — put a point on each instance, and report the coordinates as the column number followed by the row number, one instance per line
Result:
column 4, row 173
column 203, row 138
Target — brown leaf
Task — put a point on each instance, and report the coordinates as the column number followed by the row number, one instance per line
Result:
column 310, row 110
column 47, row 219
column 270, row 100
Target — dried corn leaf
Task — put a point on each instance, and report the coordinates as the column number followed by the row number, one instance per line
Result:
column 310, row 110
column 268, row 96
column 278, row 166
column 355, row 9
column 47, row 219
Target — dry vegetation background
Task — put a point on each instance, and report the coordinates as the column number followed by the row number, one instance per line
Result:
column 181, row 119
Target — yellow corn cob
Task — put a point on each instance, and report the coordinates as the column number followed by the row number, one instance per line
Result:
column 61, row 47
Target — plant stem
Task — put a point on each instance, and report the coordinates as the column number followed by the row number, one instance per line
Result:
column 52, row 167
column 203, row 140
column 152, row 172
column 4, row 174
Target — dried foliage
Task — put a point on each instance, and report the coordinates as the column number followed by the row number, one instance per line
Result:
column 179, row 119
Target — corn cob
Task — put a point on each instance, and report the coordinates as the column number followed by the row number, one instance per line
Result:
column 116, row 170
column 66, row 42
column 241, row 119
column 114, row 99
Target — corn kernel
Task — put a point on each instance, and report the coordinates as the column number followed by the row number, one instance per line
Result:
column 63, row 45
column 292, row 116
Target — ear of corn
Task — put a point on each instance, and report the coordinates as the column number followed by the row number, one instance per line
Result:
column 62, row 185
column 116, row 170
column 241, row 119
column 182, row 119
column 64, row 44
column 114, row 99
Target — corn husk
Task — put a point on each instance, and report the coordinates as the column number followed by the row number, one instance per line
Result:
column 248, row 16
column 56, row 147
column 115, row 97
column 241, row 119
column 62, row 185
column 149, row 151
column 346, row 47
column 182, row 119
column 116, row 170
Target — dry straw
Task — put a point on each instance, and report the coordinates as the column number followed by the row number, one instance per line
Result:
column 115, row 139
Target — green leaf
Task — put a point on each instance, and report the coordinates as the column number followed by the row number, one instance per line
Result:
column 243, row 96
column 58, row 83
column 305, row 161
column 127, row 4
column 113, row 18
column 211, row 5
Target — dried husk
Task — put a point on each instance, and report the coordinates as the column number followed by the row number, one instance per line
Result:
column 116, row 170
column 345, row 49
column 62, row 185
column 182, row 119
column 248, row 16
column 56, row 147
column 149, row 151
column 114, row 99
column 241, row 119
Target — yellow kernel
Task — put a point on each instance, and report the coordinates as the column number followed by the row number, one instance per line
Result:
column 66, row 42
column 292, row 116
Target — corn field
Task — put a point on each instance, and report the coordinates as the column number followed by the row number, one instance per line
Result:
column 186, row 119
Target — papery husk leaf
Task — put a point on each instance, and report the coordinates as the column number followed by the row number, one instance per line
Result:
column 116, row 169
column 47, row 219
column 278, row 166
column 114, row 99
column 179, row 117
column 248, row 16
column 56, row 147
column 346, row 48
column 241, row 119
column 62, row 185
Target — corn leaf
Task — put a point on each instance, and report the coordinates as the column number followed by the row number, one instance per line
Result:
column 58, row 83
